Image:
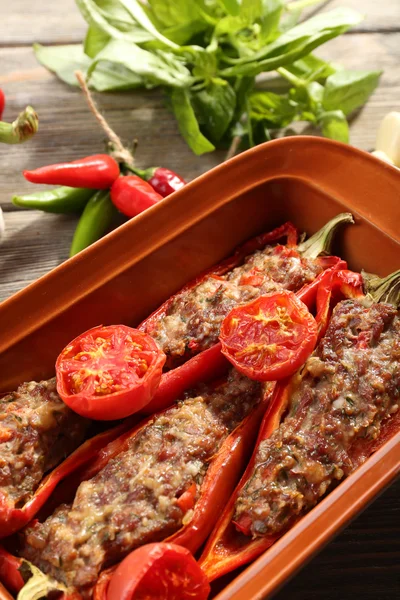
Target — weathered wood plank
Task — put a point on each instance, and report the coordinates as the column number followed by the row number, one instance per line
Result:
column 68, row 130
column 379, row 16
column 61, row 22
column 25, row 22
column 34, row 243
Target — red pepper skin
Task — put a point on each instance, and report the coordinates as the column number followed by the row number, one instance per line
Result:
column 96, row 172
column 206, row 366
column 227, row 549
column 165, row 182
column 11, row 520
column 2, row 102
column 340, row 284
column 9, row 574
column 131, row 195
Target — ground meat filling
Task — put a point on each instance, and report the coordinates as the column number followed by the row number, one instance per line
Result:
column 37, row 431
column 351, row 384
column 133, row 500
column 193, row 320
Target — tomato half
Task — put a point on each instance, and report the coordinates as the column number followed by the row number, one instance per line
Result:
column 109, row 372
column 158, row 572
column 269, row 338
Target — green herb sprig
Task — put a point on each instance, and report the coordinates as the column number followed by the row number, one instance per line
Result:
column 208, row 55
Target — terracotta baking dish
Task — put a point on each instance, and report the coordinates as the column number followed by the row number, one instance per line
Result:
column 131, row 271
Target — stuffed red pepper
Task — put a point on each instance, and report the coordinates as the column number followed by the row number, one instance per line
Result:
column 158, row 482
column 190, row 321
column 37, row 431
column 341, row 405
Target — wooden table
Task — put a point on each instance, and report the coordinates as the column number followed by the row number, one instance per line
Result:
column 364, row 561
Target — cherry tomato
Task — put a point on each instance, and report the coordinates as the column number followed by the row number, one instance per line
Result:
column 269, row 338
column 109, row 372
column 158, row 572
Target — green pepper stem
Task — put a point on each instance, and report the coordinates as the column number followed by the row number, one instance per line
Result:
column 145, row 174
column 386, row 289
column 23, row 128
column 320, row 242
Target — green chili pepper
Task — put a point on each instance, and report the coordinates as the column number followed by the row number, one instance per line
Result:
column 94, row 222
column 59, row 200
column 23, row 128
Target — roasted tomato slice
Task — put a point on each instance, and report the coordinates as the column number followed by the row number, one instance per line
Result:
column 158, row 572
column 269, row 338
column 109, row 372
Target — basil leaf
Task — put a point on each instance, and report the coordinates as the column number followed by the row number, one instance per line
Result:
column 311, row 68
column 295, row 43
column 205, row 65
column 315, row 92
column 334, row 126
column 180, row 20
column 95, row 40
column 138, row 29
column 135, row 9
column 348, row 90
column 272, row 12
column 95, row 15
column 154, row 68
column 232, row 7
column 214, row 107
column 63, row 60
column 173, row 12
column 111, row 77
column 187, row 122
column 277, row 109
column 243, row 86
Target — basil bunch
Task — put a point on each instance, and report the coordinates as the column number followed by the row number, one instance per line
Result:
column 207, row 56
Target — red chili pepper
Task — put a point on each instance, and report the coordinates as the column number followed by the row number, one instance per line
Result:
column 131, row 195
column 97, row 172
column 163, row 181
column 226, row 548
column 2, row 102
